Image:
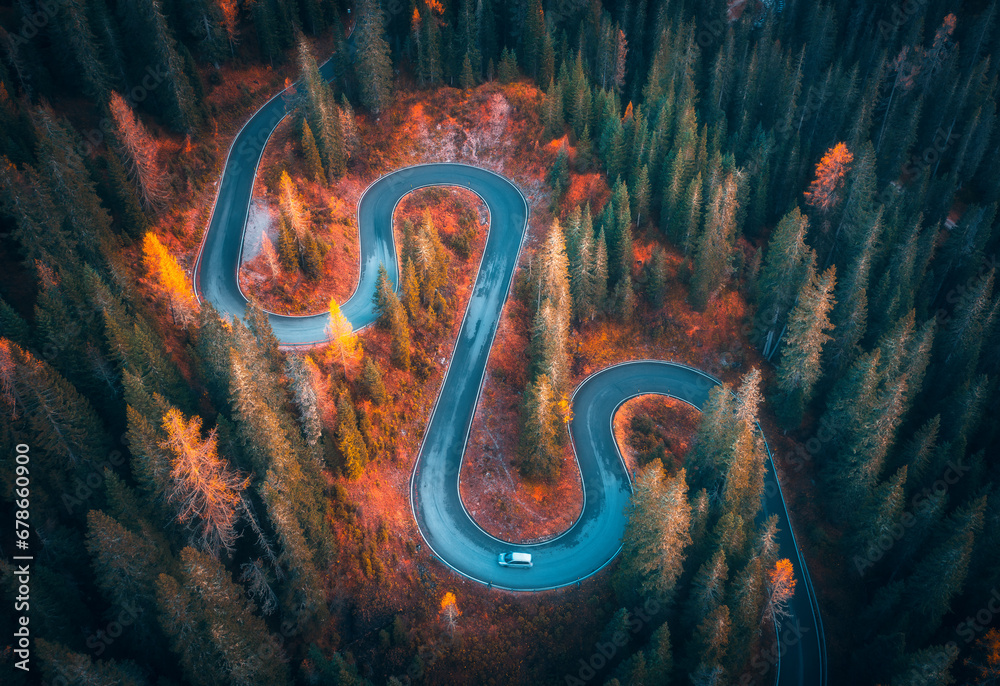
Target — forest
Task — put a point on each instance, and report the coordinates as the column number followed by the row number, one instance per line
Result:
column 800, row 198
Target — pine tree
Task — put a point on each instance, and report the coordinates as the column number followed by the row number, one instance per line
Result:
column 746, row 599
column 532, row 39
column 786, row 265
column 138, row 350
column 552, row 115
column 540, row 458
column 559, row 177
column 633, row 670
column 467, row 79
column 399, row 332
column 213, row 629
column 641, row 195
column 126, row 565
column 656, row 534
column 624, row 299
column 709, row 642
column 311, row 257
column 860, row 217
column 850, row 313
column 623, row 253
column 12, row 326
column 550, row 334
column 371, row 382
column 429, row 49
column 717, row 432
column 687, row 220
column 144, row 22
column 708, row 588
column 656, row 280
column 292, row 209
column 878, row 519
column 73, row 37
column 508, row 71
column 940, row 575
column 617, row 219
column 59, row 664
column 322, row 116
column 659, row 656
column 410, row 288
column 61, row 423
column 348, row 126
column 744, row 481
column 374, row 62
column 930, row 666
column 917, row 454
column 206, row 21
column 301, row 370
column 270, row 445
column 265, row 26
column 58, row 212
column 799, row 368
column 383, row 298
column 123, row 198
column 311, row 153
column 864, row 408
column 711, row 264
column 599, row 279
column 963, row 337
column 584, row 150
column 349, row 441
column 581, row 271
column 288, row 249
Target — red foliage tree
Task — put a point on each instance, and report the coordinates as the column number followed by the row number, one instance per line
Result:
column 824, row 191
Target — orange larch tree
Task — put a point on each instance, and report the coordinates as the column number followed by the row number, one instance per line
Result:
column 824, row 191
column 203, row 487
column 780, row 589
column 450, row 611
column 167, row 273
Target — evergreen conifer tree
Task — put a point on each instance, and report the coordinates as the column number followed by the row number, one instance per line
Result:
column 799, row 368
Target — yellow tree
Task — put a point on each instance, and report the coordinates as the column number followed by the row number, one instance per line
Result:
column 450, row 611
column 204, row 489
column 291, row 206
column 342, row 336
column 167, row 273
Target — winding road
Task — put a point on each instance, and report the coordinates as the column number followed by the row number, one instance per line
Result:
column 595, row 538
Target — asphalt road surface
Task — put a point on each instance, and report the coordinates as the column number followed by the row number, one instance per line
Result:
column 595, row 538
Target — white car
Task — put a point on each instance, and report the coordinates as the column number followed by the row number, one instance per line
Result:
column 521, row 560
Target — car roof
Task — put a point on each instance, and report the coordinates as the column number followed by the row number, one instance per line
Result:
column 520, row 557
